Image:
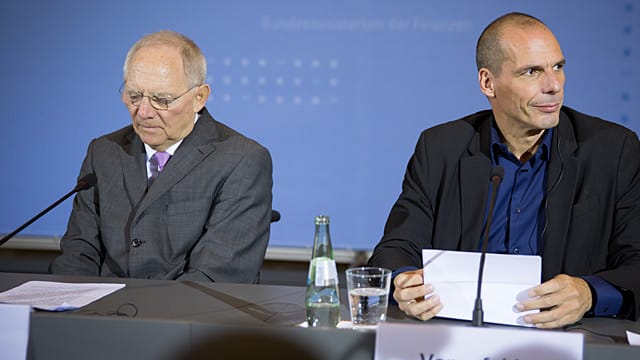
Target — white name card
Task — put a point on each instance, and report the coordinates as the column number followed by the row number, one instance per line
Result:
column 457, row 342
column 14, row 331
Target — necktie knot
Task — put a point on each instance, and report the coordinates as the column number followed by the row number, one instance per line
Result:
column 157, row 164
column 161, row 158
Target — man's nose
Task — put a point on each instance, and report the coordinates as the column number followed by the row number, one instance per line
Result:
column 552, row 83
column 145, row 109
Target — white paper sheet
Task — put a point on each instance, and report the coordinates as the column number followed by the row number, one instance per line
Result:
column 57, row 296
column 14, row 331
column 506, row 280
column 633, row 338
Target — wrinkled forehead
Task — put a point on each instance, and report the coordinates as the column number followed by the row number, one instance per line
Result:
column 155, row 68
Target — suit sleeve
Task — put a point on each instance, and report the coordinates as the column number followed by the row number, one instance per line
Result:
column 409, row 226
column 80, row 244
column 623, row 261
column 234, row 241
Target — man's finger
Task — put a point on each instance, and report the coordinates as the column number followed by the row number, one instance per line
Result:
column 423, row 309
column 547, row 287
column 412, row 293
column 407, row 279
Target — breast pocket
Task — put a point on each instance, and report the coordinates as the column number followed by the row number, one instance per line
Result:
column 186, row 215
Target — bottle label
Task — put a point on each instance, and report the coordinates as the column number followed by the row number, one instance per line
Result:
column 326, row 272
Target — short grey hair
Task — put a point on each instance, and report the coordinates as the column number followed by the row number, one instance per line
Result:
column 194, row 62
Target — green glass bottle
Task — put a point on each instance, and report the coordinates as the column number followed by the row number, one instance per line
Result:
column 322, row 296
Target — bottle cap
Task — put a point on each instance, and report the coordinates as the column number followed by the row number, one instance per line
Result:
column 322, row 219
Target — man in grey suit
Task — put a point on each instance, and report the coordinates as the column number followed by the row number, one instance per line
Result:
column 178, row 194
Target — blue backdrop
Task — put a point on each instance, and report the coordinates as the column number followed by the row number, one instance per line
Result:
column 338, row 90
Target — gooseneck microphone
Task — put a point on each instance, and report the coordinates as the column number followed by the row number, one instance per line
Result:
column 497, row 174
column 86, row 182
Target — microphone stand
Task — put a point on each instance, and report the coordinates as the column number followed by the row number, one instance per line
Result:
column 83, row 184
column 478, row 313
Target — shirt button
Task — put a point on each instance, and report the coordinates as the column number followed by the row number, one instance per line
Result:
column 518, row 210
column 516, row 250
column 136, row 242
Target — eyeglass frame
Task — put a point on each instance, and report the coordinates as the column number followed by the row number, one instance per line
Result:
column 152, row 102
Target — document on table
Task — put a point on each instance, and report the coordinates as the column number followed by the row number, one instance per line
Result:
column 633, row 338
column 506, row 280
column 57, row 296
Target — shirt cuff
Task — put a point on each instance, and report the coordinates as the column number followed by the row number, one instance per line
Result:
column 606, row 299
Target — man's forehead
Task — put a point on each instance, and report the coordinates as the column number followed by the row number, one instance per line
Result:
column 156, row 67
column 539, row 48
column 159, row 56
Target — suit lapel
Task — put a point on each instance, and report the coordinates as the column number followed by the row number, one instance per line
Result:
column 562, row 177
column 133, row 161
column 475, row 171
column 195, row 147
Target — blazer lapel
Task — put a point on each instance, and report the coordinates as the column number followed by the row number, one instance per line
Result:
column 133, row 161
column 195, row 147
column 475, row 171
column 561, row 184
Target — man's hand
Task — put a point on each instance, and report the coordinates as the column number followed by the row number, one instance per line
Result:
column 564, row 298
column 410, row 292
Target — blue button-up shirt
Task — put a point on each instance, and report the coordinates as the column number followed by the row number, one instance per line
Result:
column 519, row 217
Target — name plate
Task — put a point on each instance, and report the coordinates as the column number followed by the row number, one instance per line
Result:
column 457, row 342
column 14, row 331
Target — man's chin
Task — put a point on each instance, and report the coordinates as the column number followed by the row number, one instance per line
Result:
column 153, row 141
column 548, row 120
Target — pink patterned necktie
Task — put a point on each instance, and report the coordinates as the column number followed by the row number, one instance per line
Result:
column 158, row 162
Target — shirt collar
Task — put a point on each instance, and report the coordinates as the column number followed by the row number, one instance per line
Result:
column 498, row 146
column 171, row 150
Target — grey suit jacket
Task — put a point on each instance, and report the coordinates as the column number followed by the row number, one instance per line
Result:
column 206, row 217
column 592, row 201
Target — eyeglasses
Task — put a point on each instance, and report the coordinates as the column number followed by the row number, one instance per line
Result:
column 158, row 102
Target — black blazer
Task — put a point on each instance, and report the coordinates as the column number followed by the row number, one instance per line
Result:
column 592, row 201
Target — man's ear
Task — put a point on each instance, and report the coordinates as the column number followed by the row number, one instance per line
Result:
column 486, row 80
column 200, row 99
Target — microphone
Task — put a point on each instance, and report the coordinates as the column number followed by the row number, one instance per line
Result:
column 275, row 216
column 86, row 182
column 497, row 174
